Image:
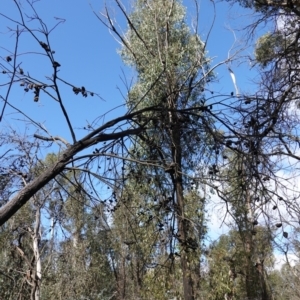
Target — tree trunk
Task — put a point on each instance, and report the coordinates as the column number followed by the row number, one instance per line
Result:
column 182, row 222
column 37, row 274
column 255, row 275
column 185, row 265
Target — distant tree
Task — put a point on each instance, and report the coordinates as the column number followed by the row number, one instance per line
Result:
column 231, row 276
column 276, row 59
column 244, row 210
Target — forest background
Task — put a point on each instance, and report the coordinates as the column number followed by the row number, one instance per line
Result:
column 149, row 150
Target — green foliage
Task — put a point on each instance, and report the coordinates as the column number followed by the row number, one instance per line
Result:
column 230, row 269
column 268, row 47
column 163, row 52
column 262, row 6
column 15, row 254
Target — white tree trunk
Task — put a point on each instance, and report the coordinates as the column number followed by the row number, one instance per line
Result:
column 38, row 266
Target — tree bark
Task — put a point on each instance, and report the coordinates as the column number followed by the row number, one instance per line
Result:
column 188, row 289
column 38, row 265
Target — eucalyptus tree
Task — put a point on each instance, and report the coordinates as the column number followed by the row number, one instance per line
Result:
column 24, row 245
column 245, row 209
column 229, row 275
column 172, row 69
column 76, row 254
column 276, row 96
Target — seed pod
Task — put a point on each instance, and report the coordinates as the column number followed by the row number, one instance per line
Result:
column 56, row 64
column 45, row 46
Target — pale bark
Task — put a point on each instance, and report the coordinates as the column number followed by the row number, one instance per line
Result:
column 36, row 236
